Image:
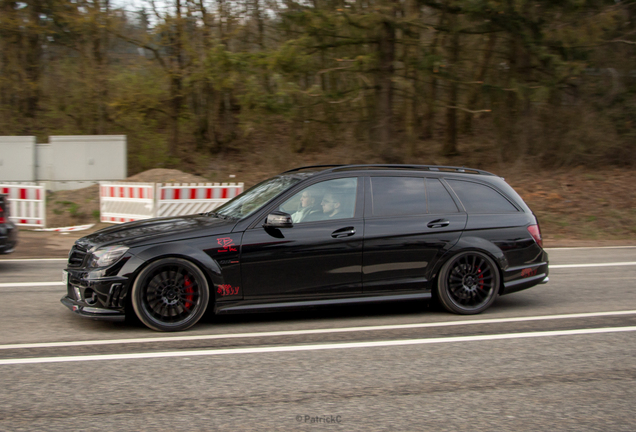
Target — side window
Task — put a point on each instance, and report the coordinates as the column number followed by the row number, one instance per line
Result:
column 479, row 198
column 398, row 196
column 439, row 200
column 331, row 199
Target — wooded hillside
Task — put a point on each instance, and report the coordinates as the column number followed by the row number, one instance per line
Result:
column 553, row 81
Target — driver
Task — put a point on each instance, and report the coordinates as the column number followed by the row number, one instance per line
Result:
column 308, row 206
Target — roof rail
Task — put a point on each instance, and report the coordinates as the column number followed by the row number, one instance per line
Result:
column 434, row 168
column 312, row 166
column 418, row 167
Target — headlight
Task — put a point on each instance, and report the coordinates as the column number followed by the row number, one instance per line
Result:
column 103, row 257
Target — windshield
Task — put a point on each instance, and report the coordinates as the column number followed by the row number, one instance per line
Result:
column 254, row 198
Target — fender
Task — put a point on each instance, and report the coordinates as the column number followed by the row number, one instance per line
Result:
column 475, row 243
column 208, row 265
column 479, row 243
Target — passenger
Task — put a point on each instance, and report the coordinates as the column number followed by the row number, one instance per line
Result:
column 332, row 205
column 308, row 206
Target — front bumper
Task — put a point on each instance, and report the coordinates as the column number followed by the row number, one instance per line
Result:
column 92, row 294
column 92, row 312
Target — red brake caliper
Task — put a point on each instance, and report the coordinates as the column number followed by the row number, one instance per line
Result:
column 481, row 279
column 189, row 292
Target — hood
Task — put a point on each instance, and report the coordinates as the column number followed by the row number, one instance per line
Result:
column 158, row 230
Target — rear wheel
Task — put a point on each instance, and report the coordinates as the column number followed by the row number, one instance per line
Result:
column 468, row 283
column 170, row 294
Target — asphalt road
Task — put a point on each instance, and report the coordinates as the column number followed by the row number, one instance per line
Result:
column 559, row 356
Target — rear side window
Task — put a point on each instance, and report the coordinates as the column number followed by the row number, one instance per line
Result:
column 398, row 196
column 439, row 200
column 478, row 198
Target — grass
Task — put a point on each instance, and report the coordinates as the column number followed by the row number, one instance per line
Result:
column 73, row 209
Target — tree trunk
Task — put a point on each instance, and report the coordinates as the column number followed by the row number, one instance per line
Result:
column 467, row 124
column 450, row 141
column 384, row 105
column 176, row 82
column 410, row 73
column 431, row 98
column 33, row 65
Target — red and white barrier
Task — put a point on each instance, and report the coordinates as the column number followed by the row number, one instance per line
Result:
column 179, row 199
column 26, row 203
column 125, row 202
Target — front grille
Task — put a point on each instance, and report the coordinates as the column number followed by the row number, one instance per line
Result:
column 76, row 257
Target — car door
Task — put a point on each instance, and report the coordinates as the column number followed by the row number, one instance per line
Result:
column 320, row 255
column 409, row 223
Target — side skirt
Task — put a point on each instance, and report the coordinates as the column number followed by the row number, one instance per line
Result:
column 241, row 307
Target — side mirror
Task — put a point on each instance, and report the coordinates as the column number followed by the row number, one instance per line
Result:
column 278, row 219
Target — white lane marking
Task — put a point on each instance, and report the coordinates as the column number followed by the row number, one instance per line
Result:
column 291, row 348
column 553, row 266
column 588, row 247
column 313, row 331
column 28, row 284
column 32, row 259
column 558, row 266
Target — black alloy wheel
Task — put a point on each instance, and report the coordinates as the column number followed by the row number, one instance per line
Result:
column 468, row 283
column 170, row 294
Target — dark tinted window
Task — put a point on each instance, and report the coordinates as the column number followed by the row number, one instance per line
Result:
column 478, row 198
column 395, row 196
column 439, row 200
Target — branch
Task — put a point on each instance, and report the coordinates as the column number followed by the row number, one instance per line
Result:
column 624, row 41
column 154, row 9
column 466, row 109
column 155, row 51
column 442, row 7
column 333, row 69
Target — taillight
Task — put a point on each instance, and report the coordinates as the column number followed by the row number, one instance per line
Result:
column 535, row 232
column 2, row 216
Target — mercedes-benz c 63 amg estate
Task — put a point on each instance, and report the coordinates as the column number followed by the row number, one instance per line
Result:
column 317, row 236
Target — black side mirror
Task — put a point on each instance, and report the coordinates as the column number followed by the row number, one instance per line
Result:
column 278, row 219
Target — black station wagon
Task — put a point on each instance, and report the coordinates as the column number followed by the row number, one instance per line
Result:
column 313, row 236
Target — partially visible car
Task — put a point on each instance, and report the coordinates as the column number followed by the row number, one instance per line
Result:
column 8, row 231
column 317, row 236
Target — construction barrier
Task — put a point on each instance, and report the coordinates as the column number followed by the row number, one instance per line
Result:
column 27, row 203
column 125, row 202
column 176, row 199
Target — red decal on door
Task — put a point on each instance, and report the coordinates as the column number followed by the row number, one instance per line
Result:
column 227, row 244
column 225, row 290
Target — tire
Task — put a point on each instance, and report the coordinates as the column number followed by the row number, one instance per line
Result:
column 468, row 283
column 170, row 294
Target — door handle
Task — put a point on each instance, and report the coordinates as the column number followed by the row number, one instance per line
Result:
column 343, row 232
column 438, row 223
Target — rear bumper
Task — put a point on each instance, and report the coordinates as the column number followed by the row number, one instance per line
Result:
column 7, row 248
column 8, row 238
column 527, row 276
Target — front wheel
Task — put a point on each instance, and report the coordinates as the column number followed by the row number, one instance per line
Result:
column 468, row 283
column 170, row 294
